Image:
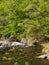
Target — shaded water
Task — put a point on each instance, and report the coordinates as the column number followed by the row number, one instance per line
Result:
column 21, row 56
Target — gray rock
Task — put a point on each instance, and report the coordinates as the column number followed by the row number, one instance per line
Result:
column 2, row 47
column 17, row 44
column 43, row 56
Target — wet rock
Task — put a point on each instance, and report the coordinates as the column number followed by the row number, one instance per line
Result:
column 1, row 47
column 17, row 44
column 43, row 56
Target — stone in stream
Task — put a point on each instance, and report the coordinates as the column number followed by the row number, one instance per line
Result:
column 1, row 47
column 43, row 56
column 17, row 44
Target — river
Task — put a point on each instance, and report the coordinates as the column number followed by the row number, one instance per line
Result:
column 22, row 56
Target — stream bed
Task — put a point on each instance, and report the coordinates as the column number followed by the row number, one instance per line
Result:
column 22, row 56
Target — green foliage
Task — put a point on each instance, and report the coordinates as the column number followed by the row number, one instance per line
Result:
column 24, row 17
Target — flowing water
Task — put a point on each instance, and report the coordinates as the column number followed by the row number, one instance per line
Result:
column 22, row 56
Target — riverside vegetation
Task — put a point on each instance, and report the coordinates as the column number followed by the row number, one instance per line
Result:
column 24, row 18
